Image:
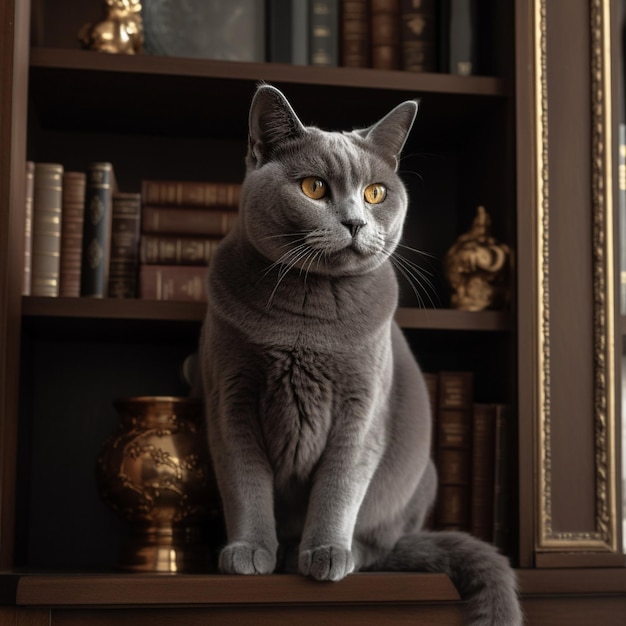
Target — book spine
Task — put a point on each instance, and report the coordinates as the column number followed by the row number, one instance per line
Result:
column 124, row 256
column 300, row 32
column 172, row 282
column 324, row 32
column 483, row 470
column 182, row 221
column 190, row 194
column 73, row 212
column 462, row 38
column 454, row 421
column 96, row 231
column 355, row 36
column 46, row 246
column 165, row 250
column 505, row 461
column 279, row 22
column 28, row 227
column 385, row 24
column 622, row 215
column 419, row 35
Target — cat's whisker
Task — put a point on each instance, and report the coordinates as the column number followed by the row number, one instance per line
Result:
column 415, row 277
column 289, row 261
column 416, row 250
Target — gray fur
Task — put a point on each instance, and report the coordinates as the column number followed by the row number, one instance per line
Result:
column 318, row 415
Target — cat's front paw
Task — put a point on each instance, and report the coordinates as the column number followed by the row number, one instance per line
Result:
column 326, row 562
column 241, row 557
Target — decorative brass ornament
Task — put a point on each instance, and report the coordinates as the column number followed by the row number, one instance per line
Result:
column 120, row 32
column 155, row 471
column 478, row 268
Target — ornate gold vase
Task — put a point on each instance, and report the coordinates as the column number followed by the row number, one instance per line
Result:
column 155, row 471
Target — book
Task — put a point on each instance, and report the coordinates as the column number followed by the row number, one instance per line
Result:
column 173, row 250
column 287, row 36
column 190, row 194
column 94, row 276
column 324, row 32
column 278, row 36
column 622, row 215
column 453, row 448
column 28, row 226
column 385, row 34
column 419, row 27
column 432, row 383
column 483, row 470
column 503, row 498
column 459, row 39
column 124, row 253
column 173, row 282
column 355, row 33
column 46, row 229
column 72, row 212
column 186, row 221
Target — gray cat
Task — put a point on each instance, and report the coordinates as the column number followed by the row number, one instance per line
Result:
column 318, row 415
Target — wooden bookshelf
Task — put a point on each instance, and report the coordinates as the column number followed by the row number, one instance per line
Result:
column 531, row 139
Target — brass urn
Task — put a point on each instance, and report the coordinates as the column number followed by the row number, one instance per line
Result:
column 155, row 471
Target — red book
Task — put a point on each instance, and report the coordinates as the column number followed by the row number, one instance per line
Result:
column 172, row 282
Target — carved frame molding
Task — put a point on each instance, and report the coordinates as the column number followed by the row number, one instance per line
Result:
column 604, row 537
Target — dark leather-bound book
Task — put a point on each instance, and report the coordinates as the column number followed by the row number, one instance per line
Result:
column 453, row 448
column 124, row 256
column 324, row 32
column 385, row 24
column 73, row 213
column 186, row 221
column 483, row 470
column 458, row 37
column 419, row 27
column 355, row 33
column 177, row 250
column 172, row 282
column 46, row 237
column 94, row 276
column 190, row 193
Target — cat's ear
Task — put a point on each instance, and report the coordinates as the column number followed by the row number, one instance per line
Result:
column 271, row 122
column 390, row 133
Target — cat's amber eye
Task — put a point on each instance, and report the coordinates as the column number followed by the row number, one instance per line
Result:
column 314, row 187
column 375, row 194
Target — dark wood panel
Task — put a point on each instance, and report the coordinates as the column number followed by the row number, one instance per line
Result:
column 359, row 615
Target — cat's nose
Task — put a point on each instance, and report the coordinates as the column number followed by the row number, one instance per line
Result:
column 354, row 226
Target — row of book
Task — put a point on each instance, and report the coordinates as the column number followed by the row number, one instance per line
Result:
column 471, row 448
column 411, row 35
column 85, row 237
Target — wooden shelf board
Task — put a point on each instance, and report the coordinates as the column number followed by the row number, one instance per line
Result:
column 136, row 309
column 59, row 58
column 183, row 589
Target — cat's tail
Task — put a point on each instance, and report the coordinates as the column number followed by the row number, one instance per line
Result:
column 482, row 576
